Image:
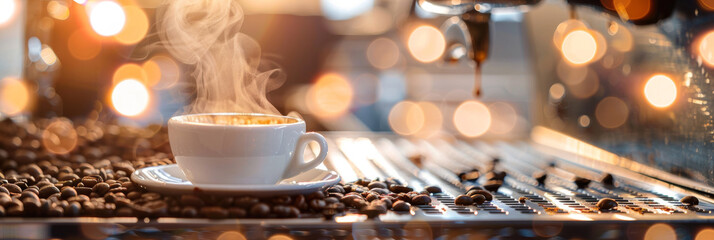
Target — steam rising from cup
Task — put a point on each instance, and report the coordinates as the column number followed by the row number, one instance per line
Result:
column 226, row 63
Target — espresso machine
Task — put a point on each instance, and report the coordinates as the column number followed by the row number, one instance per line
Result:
column 570, row 118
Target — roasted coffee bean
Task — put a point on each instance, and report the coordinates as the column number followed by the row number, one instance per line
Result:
column 608, row 180
column 132, row 195
column 300, row 202
column 236, row 212
column 485, row 193
column 335, row 195
column 433, row 189
column 4, row 190
column 401, row 206
column 363, row 182
column 523, row 199
column 83, row 190
column 541, row 177
column 400, row 188
column 377, row 185
column 281, row 200
column 152, row 209
column 29, row 194
column 73, row 209
column 493, row 185
column 478, row 199
column 317, row 204
column 373, row 211
column 15, row 211
column 151, row 196
column 2, row 211
column 191, row 200
column 101, row 188
column 245, row 202
column 125, row 212
column 606, row 204
column 89, row 181
column 214, row 212
column 471, row 175
column 496, row 175
column 110, row 198
column 581, row 182
column 293, row 212
column 12, row 188
column 690, row 201
column 55, row 212
column 34, row 171
column 316, row 195
column 48, row 190
column 372, row 196
column 463, row 200
column 421, row 199
column 380, row 191
column 336, row 189
column 189, row 212
column 68, row 177
column 260, row 210
column 331, row 200
column 31, row 207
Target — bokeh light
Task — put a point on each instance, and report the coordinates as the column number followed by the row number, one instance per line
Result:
column 130, row 97
column 426, row 43
column 504, row 117
column 130, row 70
column 706, row 48
column 330, row 97
column 584, row 121
column 8, row 9
column 564, row 28
column 707, row 5
column 704, row 234
column 82, row 2
column 611, row 112
column 587, row 87
column 660, row 91
column 383, row 53
column 14, row 96
column 161, row 71
column 82, row 47
column 343, row 10
column 58, row 9
column 622, row 39
column 433, row 120
column 107, row 18
column 472, row 118
column 406, row 118
column 48, row 56
column 632, row 9
column 59, row 137
column 571, row 74
column 557, row 91
column 579, row 47
column 660, row 231
column 137, row 24
column 231, row 235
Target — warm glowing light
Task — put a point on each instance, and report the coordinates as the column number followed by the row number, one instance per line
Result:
column 660, row 231
column 58, row 10
column 472, row 118
column 231, row 235
column 660, row 91
column 571, row 74
column 707, row 5
column 137, row 24
column 343, row 10
column 7, row 10
column 705, row 233
column 621, row 37
column 584, row 121
column 706, row 48
column 82, row 47
column 130, row 70
column 406, row 118
column 557, row 91
column 383, row 53
column 611, row 112
column 107, row 18
column 330, row 97
column 433, row 120
column 504, row 118
column 162, row 72
column 632, row 9
column 59, row 137
column 48, row 56
column 579, row 47
column 426, row 43
column 82, row 2
column 564, row 28
column 14, row 96
column 130, row 97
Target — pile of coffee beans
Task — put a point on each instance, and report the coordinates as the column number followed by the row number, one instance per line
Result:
column 85, row 169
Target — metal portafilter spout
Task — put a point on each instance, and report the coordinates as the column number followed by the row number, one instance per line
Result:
column 477, row 24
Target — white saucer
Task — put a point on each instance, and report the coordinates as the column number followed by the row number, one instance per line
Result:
column 170, row 180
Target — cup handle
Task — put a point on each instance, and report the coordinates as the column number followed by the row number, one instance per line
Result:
column 298, row 164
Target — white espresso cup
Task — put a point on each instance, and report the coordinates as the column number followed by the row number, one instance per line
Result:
column 241, row 148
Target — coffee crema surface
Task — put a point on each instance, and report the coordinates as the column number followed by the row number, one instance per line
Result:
column 236, row 119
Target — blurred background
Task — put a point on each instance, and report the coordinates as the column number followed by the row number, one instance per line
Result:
column 628, row 76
